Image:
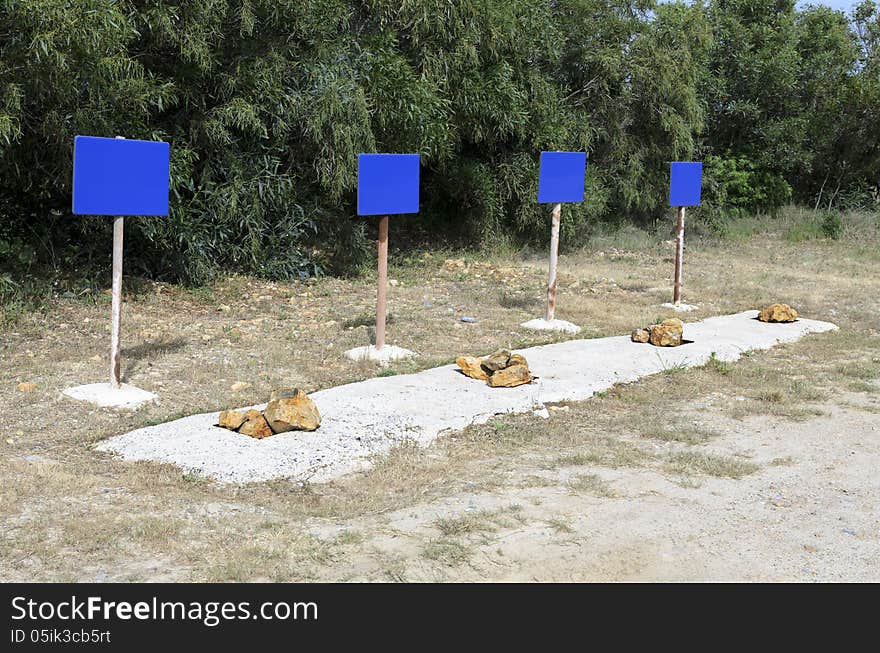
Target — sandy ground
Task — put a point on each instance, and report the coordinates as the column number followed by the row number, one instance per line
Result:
column 811, row 514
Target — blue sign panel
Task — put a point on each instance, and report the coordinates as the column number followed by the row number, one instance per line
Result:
column 684, row 183
column 117, row 176
column 388, row 184
column 561, row 178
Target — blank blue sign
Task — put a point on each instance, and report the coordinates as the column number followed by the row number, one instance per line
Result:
column 117, row 176
column 561, row 178
column 388, row 184
column 684, row 183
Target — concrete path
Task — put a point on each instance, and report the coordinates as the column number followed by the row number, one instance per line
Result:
column 367, row 418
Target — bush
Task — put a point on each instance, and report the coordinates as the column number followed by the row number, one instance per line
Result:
column 267, row 103
column 735, row 187
column 832, row 225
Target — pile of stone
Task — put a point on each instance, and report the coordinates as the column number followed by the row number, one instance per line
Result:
column 500, row 370
column 289, row 409
column 778, row 313
column 666, row 334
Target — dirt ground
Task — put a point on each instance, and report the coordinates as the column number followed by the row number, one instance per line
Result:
column 760, row 470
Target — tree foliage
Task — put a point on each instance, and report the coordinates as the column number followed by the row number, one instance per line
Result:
column 267, row 103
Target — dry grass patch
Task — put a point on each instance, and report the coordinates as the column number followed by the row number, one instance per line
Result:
column 693, row 463
column 480, row 521
column 605, row 451
column 447, row 552
column 677, row 431
column 560, row 525
column 591, row 484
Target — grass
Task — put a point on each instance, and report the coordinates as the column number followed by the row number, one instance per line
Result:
column 447, row 552
column 677, row 431
column 366, row 320
column 479, row 521
column 692, row 463
column 591, row 484
column 560, row 525
column 605, row 451
column 719, row 366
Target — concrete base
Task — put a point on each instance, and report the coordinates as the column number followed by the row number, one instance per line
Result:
column 540, row 324
column 679, row 308
column 382, row 356
column 106, row 396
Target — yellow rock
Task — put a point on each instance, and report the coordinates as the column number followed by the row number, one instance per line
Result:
column 294, row 412
column 778, row 313
column 641, row 335
column 27, row 387
column 497, row 361
column 517, row 359
column 255, row 425
column 470, row 366
column 231, row 419
column 510, row 377
column 667, row 334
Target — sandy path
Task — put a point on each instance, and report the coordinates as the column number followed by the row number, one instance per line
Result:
column 812, row 513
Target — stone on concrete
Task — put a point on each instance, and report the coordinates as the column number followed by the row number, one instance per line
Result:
column 510, row 377
column 255, row 425
column 471, row 366
column 666, row 334
column 295, row 412
column 778, row 313
column 640, row 335
column 496, row 361
column 517, row 359
column 231, row 419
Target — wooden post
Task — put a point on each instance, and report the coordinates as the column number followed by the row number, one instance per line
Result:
column 554, row 254
column 381, row 300
column 115, row 364
column 679, row 257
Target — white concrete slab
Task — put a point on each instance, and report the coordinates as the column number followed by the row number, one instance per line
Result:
column 679, row 308
column 106, row 396
column 370, row 417
column 540, row 324
column 382, row 356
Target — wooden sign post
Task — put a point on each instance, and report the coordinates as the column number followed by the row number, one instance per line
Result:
column 561, row 179
column 382, row 294
column 555, row 219
column 388, row 184
column 116, row 309
column 685, row 182
column 118, row 177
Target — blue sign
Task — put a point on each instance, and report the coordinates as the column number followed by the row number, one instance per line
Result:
column 684, row 183
column 561, row 178
column 117, row 176
column 388, row 184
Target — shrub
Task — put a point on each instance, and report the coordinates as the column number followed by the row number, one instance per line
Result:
column 832, row 225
